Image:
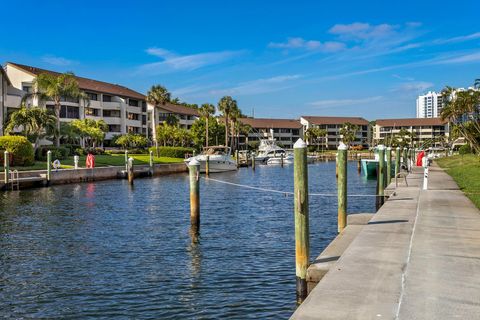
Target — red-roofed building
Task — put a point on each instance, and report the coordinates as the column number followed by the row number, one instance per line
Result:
column 423, row 128
column 285, row 131
column 333, row 125
column 123, row 109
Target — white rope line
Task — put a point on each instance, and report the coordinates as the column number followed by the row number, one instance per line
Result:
column 287, row 192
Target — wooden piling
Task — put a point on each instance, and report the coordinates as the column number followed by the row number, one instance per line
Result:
column 126, row 160
column 281, row 160
column 237, row 158
column 389, row 166
column 194, row 173
column 397, row 161
column 381, row 172
column 207, row 166
column 359, row 165
column 302, row 242
column 6, row 167
column 130, row 172
column 342, row 186
column 49, row 166
column 336, row 165
column 253, row 161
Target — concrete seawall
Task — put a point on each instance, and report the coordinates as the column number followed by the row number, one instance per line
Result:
column 64, row 176
column 418, row 258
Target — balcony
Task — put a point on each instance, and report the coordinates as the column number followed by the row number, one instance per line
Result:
column 111, row 105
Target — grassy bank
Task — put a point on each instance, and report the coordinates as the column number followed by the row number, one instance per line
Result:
column 465, row 170
column 103, row 161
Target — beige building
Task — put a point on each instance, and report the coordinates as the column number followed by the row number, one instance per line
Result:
column 333, row 125
column 186, row 116
column 123, row 109
column 284, row 131
column 424, row 129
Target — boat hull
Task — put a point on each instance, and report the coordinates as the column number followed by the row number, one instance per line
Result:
column 369, row 168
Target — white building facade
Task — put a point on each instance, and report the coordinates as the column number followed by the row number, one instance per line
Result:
column 429, row 105
column 124, row 110
column 333, row 125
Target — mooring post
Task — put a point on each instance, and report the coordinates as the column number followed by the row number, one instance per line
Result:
column 425, row 172
column 336, row 164
column 6, row 167
column 49, row 166
column 359, row 165
column 389, row 165
column 397, row 161
column 342, row 186
column 253, row 161
column 281, row 159
column 126, row 160
column 237, row 158
column 381, row 172
column 194, row 173
column 302, row 242
column 130, row 170
column 151, row 163
column 207, row 166
column 405, row 151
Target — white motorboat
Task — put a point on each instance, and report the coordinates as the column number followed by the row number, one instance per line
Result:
column 219, row 159
column 268, row 149
column 285, row 158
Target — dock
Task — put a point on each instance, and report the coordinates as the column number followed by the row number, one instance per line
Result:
column 417, row 258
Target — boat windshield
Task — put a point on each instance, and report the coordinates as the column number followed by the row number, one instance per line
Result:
column 215, row 151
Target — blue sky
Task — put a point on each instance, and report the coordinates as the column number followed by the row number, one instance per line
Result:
column 278, row 58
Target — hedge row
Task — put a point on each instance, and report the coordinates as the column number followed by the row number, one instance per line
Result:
column 172, row 152
column 20, row 149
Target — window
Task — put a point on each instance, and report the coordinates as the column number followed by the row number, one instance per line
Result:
column 92, row 96
column 107, row 98
column 144, row 119
column 144, row 106
column 285, row 130
column 114, row 128
column 133, row 103
column 132, row 116
column 133, row 129
column 332, row 126
column 111, row 113
column 295, row 132
column 75, row 100
column 70, row 112
column 92, row 112
column 27, row 88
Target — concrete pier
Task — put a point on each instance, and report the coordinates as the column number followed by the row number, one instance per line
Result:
column 418, row 258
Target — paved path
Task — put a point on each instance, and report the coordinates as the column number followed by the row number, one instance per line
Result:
column 419, row 258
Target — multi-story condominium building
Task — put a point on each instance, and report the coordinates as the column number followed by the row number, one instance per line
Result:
column 429, row 105
column 284, row 131
column 333, row 125
column 186, row 116
column 4, row 84
column 123, row 109
column 424, row 129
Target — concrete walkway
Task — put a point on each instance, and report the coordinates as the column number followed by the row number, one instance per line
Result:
column 418, row 258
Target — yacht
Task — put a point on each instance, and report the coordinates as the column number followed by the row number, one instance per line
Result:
column 268, row 149
column 219, row 159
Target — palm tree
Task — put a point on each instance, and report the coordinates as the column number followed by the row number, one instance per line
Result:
column 225, row 106
column 34, row 122
column 235, row 114
column 157, row 96
column 52, row 87
column 206, row 110
column 348, row 132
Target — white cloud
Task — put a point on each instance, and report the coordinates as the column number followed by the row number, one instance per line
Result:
column 325, row 104
column 464, row 38
column 172, row 62
column 363, row 31
column 300, row 43
column 465, row 58
column 403, row 78
column 413, row 86
column 259, row 86
column 57, row 61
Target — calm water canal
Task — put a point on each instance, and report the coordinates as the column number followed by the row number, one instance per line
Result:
column 108, row 251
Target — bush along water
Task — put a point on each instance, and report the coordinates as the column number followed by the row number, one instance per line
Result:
column 171, row 152
column 60, row 153
column 20, row 148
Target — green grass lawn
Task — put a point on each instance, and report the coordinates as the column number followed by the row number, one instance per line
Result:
column 103, row 161
column 465, row 170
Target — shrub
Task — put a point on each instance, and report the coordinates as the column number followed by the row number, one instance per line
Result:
column 59, row 153
column 71, row 148
column 138, row 151
column 465, row 149
column 79, row 152
column 94, row 151
column 172, row 152
column 20, row 148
